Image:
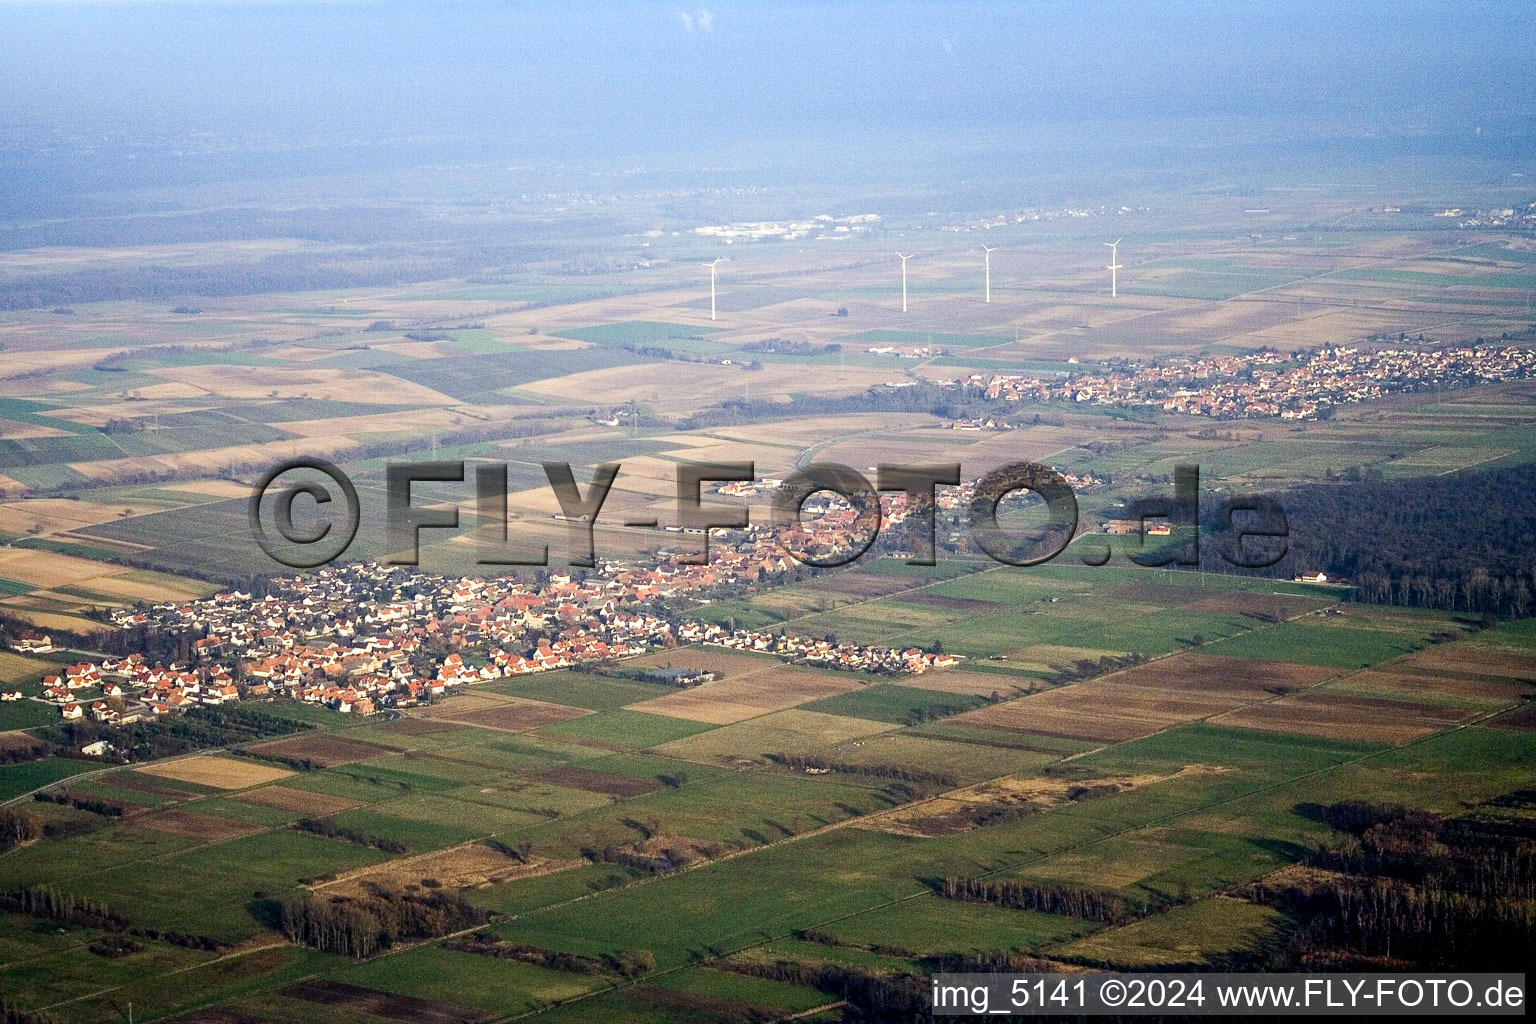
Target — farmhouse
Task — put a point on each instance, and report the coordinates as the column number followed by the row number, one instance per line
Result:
column 32, row 642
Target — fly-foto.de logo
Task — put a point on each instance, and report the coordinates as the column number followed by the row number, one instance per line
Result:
column 300, row 523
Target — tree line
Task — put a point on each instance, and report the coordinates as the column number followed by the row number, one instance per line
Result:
column 625, row 964
column 361, row 926
column 330, row 830
column 105, row 808
column 53, row 904
column 922, row 776
column 197, row 728
column 1048, row 897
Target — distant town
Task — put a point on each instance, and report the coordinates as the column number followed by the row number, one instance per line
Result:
column 1302, row 386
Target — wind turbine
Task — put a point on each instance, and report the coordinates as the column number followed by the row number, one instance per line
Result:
column 904, row 280
column 712, row 287
column 1114, row 264
column 989, row 252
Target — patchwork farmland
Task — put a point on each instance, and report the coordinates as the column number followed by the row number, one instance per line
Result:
column 1099, row 766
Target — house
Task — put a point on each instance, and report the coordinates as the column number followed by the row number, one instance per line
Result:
column 9, row 695
column 1316, row 577
column 97, row 749
column 82, row 675
column 72, row 711
column 33, row 642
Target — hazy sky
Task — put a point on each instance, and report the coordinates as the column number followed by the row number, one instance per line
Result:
column 653, row 75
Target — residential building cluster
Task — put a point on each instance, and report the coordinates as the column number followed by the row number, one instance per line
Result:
column 368, row 637
column 119, row 691
column 1498, row 217
column 1265, row 383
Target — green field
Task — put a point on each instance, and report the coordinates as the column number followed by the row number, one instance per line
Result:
column 634, row 729
column 16, row 779
column 1338, row 647
column 25, row 714
column 464, row 979
column 928, row 925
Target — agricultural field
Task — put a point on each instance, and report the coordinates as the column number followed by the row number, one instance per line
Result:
column 218, row 772
column 1198, row 780
column 595, row 843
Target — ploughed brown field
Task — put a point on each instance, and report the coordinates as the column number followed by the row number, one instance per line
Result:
column 1272, row 606
column 373, row 1001
column 300, row 800
column 205, row 827
column 517, row 715
column 1214, row 673
column 1148, row 698
column 1336, row 716
column 696, row 1006
column 1479, row 662
column 324, row 751
column 1406, row 679
column 1521, row 719
column 418, row 726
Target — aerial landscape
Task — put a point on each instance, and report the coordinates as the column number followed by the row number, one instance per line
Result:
column 805, row 538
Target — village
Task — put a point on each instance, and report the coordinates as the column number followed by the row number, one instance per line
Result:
column 1305, row 386
column 368, row 638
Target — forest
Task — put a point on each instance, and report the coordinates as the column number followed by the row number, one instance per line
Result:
column 1405, row 889
column 1460, row 542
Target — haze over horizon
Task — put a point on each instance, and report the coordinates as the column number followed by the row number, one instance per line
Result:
column 728, row 86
